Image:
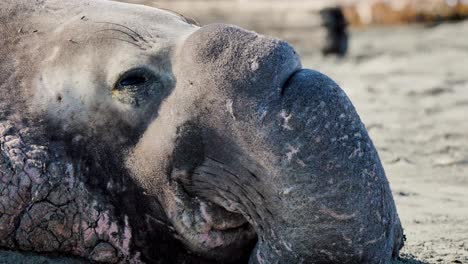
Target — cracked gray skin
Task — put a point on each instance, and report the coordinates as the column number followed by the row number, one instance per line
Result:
column 130, row 135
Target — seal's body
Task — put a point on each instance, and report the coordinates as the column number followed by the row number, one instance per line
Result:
column 129, row 134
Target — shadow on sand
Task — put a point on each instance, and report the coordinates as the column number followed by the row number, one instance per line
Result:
column 408, row 259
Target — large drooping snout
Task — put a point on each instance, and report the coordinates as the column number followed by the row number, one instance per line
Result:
column 247, row 134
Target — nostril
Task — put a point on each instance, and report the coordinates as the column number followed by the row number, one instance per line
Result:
column 288, row 82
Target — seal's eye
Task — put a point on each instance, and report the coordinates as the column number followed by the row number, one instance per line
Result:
column 133, row 78
column 136, row 86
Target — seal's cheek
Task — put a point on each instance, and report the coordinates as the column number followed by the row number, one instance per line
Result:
column 74, row 103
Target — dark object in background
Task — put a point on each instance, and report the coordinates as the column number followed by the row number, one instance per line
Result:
column 337, row 34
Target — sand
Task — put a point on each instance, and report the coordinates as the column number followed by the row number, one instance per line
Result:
column 410, row 86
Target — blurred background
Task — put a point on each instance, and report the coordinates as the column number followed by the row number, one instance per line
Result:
column 299, row 21
column 404, row 64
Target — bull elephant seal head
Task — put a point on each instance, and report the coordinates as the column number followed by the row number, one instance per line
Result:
column 246, row 155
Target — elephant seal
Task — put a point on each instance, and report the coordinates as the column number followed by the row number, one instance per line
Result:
column 130, row 135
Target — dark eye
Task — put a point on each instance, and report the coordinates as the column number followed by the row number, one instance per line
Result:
column 134, row 77
column 133, row 80
column 136, row 87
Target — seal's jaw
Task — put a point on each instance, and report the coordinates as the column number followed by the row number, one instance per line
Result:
column 207, row 228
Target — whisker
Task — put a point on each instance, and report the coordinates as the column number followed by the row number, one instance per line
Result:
column 252, row 174
column 129, row 42
column 215, row 160
column 118, row 30
column 123, row 26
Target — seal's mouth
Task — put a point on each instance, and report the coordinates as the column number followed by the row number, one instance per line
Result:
column 212, row 228
column 220, row 230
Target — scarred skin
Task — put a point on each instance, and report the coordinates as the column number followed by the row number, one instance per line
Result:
column 129, row 135
column 45, row 206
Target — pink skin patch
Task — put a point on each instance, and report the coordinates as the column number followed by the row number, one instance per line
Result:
column 104, row 230
column 33, row 170
column 206, row 216
column 127, row 236
column 88, row 235
column 211, row 239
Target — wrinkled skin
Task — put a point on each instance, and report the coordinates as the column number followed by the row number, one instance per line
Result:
column 130, row 135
